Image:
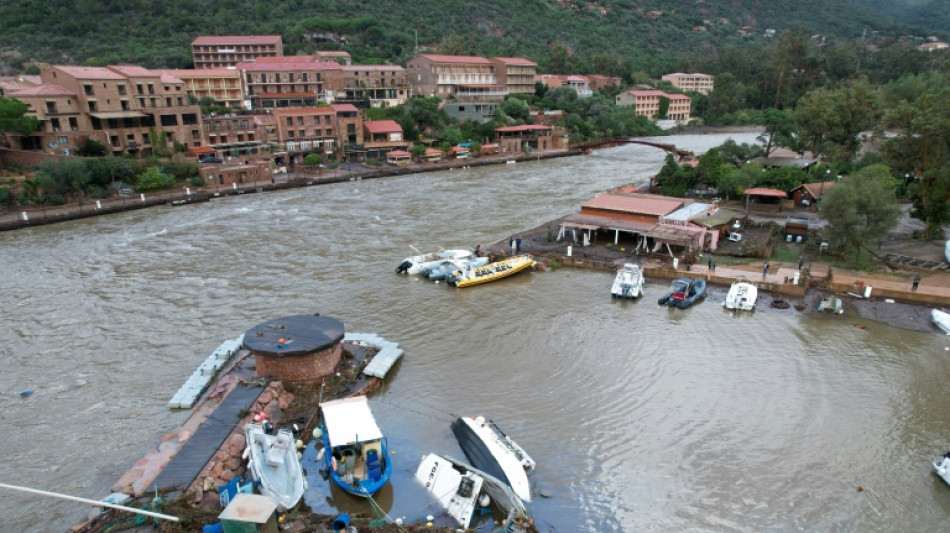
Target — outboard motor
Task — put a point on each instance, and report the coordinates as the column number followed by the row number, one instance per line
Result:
column 268, row 427
column 403, row 267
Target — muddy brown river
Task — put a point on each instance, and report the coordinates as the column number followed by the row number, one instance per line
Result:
column 639, row 417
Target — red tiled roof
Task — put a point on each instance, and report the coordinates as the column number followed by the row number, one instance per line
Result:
column 202, row 150
column 456, row 59
column 399, row 153
column 484, row 146
column 515, row 61
column 296, row 66
column 303, row 111
column 817, row 189
column 340, row 108
column 641, row 204
column 382, row 126
column 523, row 127
column 760, row 191
column 299, row 94
column 90, row 73
column 170, row 78
column 459, row 149
column 237, row 39
column 283, row 59
column 375, row 68
column 133, row 71
column 47, row 89
column 433, row 151
column 677, row 96
column 646, row 93
column 203, row 73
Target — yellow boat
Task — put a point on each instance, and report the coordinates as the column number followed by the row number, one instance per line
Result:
column 492, row 271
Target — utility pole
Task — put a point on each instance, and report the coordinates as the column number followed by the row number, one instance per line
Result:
column 416, row 49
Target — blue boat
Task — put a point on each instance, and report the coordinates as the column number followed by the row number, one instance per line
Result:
column 355, row 451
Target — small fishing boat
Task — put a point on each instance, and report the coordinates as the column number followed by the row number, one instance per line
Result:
column 741, row 296
column 446, row 268
column 941, row 319
column 491, row 272
column 684, row 292
column 488, row 448
column 942, row 467
column 461, row 489
column 414, row 264
column 274, row 466
column 831, row 304
column 355, row 452
column 628, row 283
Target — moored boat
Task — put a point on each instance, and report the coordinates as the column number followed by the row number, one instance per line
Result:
column 684, row 292
column 488, row 448
column 491, row 272
column 941, row 319
column 274, row 466
column 942, row 467
column 831, row 304
column 628, row 283
column 741, row 296
column 446, row 268
column 355, row 452
column 414, row 264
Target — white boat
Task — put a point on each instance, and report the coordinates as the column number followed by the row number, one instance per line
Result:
column 628, row 283
column 831, row 304
column 946, row 251
column 741, row 296
column 445, row 268
column 274, row 465
column 941, row 319
column 414, row 264
column 488, row 448
column 942, row 467
column 460, row 488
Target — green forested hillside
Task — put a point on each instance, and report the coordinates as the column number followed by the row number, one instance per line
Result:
column 607, row 35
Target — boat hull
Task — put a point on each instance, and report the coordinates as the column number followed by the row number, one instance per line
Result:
column 417, row 263
column 942, row 468
column 628, row 283
column 684, row 292
column 273, row 464
column 486, row 451
column 353, row 485
column 492, row 272
column 941, row 319
column 741, row 297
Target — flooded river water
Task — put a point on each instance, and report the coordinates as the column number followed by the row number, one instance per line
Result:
column 639, row 417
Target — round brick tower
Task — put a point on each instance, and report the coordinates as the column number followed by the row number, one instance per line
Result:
column 296, row 349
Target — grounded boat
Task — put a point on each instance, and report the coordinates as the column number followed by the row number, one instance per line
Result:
column 946, row 251
column 355, row 451
column 460, row 488
column 941, row 319
column 274, row 465
column 415, row 263
column 831, row 304
column 491, row 272
column 942, row 467
column 628, row 283
column 488, row 448
column 446, row 268
column 684, row 292
column 741, row 296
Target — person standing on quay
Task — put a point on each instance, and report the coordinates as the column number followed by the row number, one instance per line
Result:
column 765, row 269
column 913, row 287
column 801, row 262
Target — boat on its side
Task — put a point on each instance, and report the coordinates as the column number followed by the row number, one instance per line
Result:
column 741, row 296
column 449, row 266
column 274, row 466
column 355, row 452
column 491, row 272
column 942, row 467
column 684, row 292
column 416, row 263
column 628, row 283
column 831, row 304
column 488, row 448
column 941, row 319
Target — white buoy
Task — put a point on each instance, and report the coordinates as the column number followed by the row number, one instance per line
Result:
column 299, row 444
column 484, row 500
column 320, row 454
column 317, row 434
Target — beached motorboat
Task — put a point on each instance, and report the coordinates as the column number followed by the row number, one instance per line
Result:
column 414, row 264
column 941, row 319
column 946, row 251
column 355, row 451
column 491, row 272
column 942, row 467
column 445, row 268
column 460, row 488
column 831, row 304
column 274, row 466
column 628, row 283
column 741, row 296
column 684, row 292
column 488, row 448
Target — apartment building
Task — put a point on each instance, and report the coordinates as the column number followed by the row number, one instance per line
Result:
column 289, row 81
column 577, row 83
column 374, row 85
column 700, row 83
column 233, row 135
column 129, row 109
column 332, row 56
column 382, row 137
column 647, row 103
column 221, row 84
column 465, row 78
column 680, row 106
column 307, row 130
column 515, row 74
column 349, row 126
column 220, row 51
column 524, row 138
column 599, row 82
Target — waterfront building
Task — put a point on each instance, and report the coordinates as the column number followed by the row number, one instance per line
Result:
column 289, row 81
column 524, row 138
column 221, row 84
column 647, row 103
column 373, row 85
column 382, row 136
column 697, row 82
column 464, row 78
column 515, row 74
column 219, row 51
column 307, row 130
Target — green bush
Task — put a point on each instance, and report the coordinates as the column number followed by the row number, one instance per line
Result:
column 153, row 179
column 55, row 199
column 197, row 181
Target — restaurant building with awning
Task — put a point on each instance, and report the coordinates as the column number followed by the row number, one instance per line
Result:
column 765, row 199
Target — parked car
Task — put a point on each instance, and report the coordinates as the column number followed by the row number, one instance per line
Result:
column 210, row 160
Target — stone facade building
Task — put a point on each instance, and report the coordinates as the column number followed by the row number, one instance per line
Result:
column 219, row 51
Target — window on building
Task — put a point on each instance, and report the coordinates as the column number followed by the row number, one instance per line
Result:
column 189, row 119
column 300, row 121
column 169, row 120
column 181, row 101
column 290, row 134
column 290, row 77
column 92, row 106
column 146, row 139
column 168, row 102
column 302, row 133
column 88, row 89
column 195, row 134
column 121, row 89
column 63, row 140
column 51, row 107
column 73, row 124
column 244, row 124
column 138, row 88
column 125, row 105
column 151, row 89
column 55, row 124
column 290, row 121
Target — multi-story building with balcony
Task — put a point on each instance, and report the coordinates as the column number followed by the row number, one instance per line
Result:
column 233, row 135
column 464, row 78
column 128, row 109
column 647, row 103
column 303, row 131
column 374, row 85
column 515, row 74
column 218, row 51
column 290, row 81
column 221, row 84
column 332, row 56
column 700, row 83
column 381, row 137
column 577, row 83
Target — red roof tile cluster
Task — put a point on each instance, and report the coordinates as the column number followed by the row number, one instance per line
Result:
column 236, row 39
column 303, row 111
column 344, row 108
column 183, row 73
column 760, row 191
column 642, row 204
column 516, row 61
column 47, row 89
column 90, row 73
column 438, row 58
column 523, row 127
column 399, row 153
column 382, row 126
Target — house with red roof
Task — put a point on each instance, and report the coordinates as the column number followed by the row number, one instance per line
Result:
column 381, row 137
column 646, row 103
column 466, row 78
column 223, row 51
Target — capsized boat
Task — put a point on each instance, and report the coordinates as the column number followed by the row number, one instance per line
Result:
column 447, row 267
column 942, row 467
column 684, row 292
column 459, row 487
column 414, row 264
column 274, row 466
column 941, row 319
column 491, row 272
column 355, row 452
column 741, row 296
column 628, row 283
column 488, row 448
column 831, row 304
